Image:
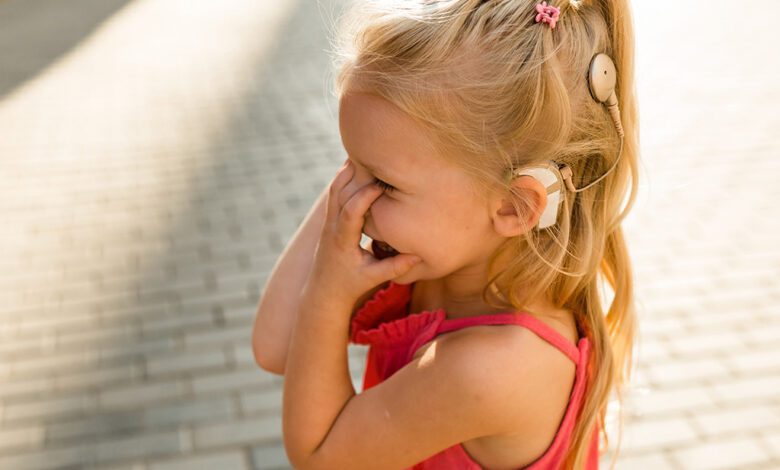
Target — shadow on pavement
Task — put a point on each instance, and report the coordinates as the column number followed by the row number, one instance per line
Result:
column 35, row 33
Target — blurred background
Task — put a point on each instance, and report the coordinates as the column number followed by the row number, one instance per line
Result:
column 157, row 155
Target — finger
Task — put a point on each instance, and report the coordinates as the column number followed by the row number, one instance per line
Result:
column 341, row 179
column 352, row 216
column 393, row 267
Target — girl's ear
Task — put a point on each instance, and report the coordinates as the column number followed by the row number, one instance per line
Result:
column 530, row 196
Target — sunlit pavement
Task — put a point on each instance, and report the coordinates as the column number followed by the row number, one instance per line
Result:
column 156, row 156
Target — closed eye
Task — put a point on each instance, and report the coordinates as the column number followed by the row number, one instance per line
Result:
column 383, row 185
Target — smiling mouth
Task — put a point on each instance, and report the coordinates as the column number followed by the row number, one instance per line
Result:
column 382, row 250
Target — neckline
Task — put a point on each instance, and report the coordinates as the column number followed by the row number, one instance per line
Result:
column 573, row 345
column 410, row 289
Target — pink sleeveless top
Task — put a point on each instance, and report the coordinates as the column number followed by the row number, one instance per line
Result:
column 394, row 335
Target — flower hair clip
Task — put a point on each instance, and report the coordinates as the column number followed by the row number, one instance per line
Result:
column 547, row 14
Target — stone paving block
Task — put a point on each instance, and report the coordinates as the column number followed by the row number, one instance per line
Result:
column 639, row 377
column 356, row 354
column 742, row 419
column 48, row 407
column 650, row 351
column 104, row 377
column 660, row 402
column 237, row 432
column 13, row 438
column 125, row 466
column 190, row 360
column 737, row 390
column 262, row 401
column 760, row 360
column 173, row 324
column 766, row 333
column 733, row 453
column 147, row 445
column 655, row 461
column 733, row 298
column 772, row 440
column 95, row 452
column 233, row 460
column 50, row 458
column 239, row 314
column 32, row 325
column 137, row 350
column 243, row 378
column 84, row 429
column 215, row 336
column 25, row 386
column 50, row 363
column 270, row 457
column 661, row 326
column 141, row 394
column 243, row 355
column 649, row 434
column 190, row 411
column 107, row 333
column 723, row 319
column 13, row 346
column 686, row 371
column 227, row 289
column 701, row 343
column 5, row 369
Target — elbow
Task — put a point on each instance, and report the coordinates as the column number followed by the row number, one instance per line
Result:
column 301, row 462
column 263, row 352
column 268, row 364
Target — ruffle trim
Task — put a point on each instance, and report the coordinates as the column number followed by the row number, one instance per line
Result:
column 387, row 303
column 400, row 332
column 383, row 319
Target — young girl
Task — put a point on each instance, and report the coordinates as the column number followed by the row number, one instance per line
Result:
column 488, row 161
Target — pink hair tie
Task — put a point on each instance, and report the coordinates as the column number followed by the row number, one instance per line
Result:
column 547, row 14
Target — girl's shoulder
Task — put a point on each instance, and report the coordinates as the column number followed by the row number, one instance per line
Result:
column 528, row 379
column 507, row 343
column 497, row 382
column 526, row 338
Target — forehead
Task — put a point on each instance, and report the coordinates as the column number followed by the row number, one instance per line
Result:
column 377, row 133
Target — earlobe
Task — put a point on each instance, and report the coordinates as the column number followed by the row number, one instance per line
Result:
column 531, row 199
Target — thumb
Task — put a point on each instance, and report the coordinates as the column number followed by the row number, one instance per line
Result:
column 397, row 265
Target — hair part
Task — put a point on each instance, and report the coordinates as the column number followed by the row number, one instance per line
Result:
column 495, row 91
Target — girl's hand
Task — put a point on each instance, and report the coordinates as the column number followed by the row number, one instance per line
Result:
column 342, row 269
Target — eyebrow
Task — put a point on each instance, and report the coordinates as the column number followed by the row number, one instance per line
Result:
column 399, row 184
column 378, row 171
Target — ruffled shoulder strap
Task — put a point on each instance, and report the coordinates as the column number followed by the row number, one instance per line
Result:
column 386, row 305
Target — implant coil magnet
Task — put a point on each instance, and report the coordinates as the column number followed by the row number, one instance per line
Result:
column 550, row 176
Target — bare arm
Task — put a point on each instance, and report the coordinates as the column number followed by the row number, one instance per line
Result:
column 280, row 300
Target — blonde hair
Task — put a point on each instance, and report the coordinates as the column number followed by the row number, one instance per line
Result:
column 495, row 90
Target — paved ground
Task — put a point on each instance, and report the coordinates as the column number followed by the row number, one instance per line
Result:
column 155, row 157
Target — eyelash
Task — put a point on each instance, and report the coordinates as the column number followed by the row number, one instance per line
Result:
column 383, row 185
